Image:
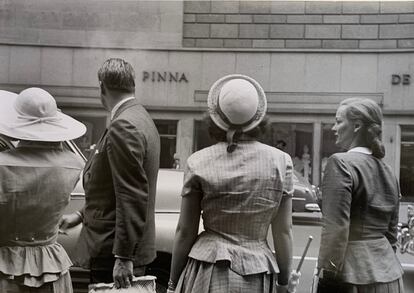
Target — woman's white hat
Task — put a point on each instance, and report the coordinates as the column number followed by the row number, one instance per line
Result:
column 33, row 115
column 236, row 102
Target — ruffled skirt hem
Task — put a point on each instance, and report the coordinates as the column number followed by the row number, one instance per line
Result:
column 204, row 277
column 34, row 265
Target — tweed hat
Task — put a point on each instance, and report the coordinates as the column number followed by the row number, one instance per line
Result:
column 33, row 115
column 236, row 103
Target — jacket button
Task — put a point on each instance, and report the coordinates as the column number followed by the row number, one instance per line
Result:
column 32, row 239
column 17, row 238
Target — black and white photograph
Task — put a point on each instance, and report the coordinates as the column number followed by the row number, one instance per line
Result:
column 207, row 146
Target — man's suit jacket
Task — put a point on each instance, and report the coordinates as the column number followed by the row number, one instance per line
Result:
column 120, row 184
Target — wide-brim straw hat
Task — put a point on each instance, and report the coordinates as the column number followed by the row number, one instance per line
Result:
column 33, row 115
column 238, row 102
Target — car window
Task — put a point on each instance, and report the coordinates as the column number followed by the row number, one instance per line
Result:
column 5, row 143
column 3, row 146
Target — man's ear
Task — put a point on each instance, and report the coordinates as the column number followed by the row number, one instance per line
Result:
column 102, row 86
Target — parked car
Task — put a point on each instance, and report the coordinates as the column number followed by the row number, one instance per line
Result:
column 168, row 203
column 305, row 196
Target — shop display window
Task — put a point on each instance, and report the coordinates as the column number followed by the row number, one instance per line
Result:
column 297, row 140
column 168, row 136
column 407, row 163
column 328, row 146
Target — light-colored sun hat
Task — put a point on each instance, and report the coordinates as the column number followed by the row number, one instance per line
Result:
column 236, row 103
column 33, row 115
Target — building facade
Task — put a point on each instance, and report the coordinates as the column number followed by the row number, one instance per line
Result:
column 307, row 55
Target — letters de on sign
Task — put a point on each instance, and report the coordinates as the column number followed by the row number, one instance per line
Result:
column 165, row 76
column 403, row 79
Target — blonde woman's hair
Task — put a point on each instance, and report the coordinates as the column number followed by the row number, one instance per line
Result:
column 369, row 113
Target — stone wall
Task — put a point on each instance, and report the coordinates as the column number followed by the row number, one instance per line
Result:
column 92, row 23
column 299, row 24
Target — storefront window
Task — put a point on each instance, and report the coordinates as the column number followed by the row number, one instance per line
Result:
column 297, row 140
column 96, row 126
column 328, row 146
column 407, row 163
column 168, row 135
column 202, row 138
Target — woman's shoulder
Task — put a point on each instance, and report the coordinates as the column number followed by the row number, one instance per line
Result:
column 339, row 160
column 272, row 150
column 342, row 156
column 352, row 157
column 353, row 160
column 206, row 154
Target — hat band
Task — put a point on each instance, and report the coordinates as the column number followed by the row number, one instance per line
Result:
column 31, row 120
column 231, row 124
column 233, row 128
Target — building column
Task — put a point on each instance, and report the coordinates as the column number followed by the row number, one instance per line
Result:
column 316, row 159
column 391, row 138
column 185, row 139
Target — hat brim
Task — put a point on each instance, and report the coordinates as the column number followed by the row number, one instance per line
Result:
column 212, row 102
column 66, row 128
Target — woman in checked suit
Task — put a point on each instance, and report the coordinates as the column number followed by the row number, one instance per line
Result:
column 241, row 187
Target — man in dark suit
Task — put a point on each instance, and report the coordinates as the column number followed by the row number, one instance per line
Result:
column 118, row 235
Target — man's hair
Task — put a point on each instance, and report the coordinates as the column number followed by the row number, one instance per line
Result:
column 117, row 75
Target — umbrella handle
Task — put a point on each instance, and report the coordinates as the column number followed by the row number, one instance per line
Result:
column 310, row 238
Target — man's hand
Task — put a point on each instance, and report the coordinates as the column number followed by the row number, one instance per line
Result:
column 122, row 273
column 69, row 221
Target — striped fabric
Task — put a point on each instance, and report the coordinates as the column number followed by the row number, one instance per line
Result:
column 245, row 258
column 241, row 190
column 202, row 277
column 241, row 193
